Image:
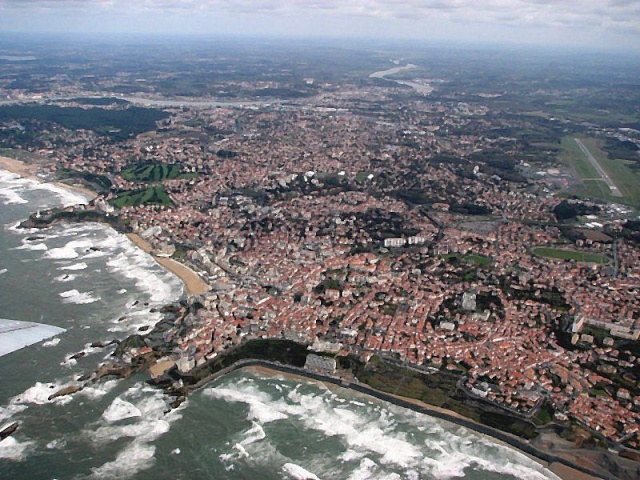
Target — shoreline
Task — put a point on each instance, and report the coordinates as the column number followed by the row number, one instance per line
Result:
column 562, row 467
column 30, row 171
column 563, row 471
column 193, row 284
column 196, row 286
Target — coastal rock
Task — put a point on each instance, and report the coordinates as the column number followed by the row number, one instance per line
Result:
column 121, row 371
column 66, row 391
column 99, row 344
column 10, row 430
column 177, row 402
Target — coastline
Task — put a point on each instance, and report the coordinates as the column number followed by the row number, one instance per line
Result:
column 30, row 171
column 558, row 465
column 563, row 471
column 194, row 285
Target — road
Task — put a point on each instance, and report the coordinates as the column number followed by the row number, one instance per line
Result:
column 612, row 186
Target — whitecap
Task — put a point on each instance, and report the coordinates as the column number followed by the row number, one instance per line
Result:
column 69, row 251
column 367, row 430
column 137, row 265
column 67, row 197
column 152, row 421
column 366, row 470
column 12, row 449
column 75, row 266
column 133, row 459
column 254, row 434
column 78, row 298
column 9, row 411
column 32, row 246
column 241, row 450
column 11, row 195
column 39, row 394
column 57, row 444
column 260, row 408
column 97, row 391
column 296, row 472
column 69, row 362
column 120, row 410
column 15, row 185
column 52, row 343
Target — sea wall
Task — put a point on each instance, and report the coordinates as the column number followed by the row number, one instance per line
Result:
column 509, row 439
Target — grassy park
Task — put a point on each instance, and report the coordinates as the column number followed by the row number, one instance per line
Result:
column 153, row 172
column 152, row 195
column 562, row 254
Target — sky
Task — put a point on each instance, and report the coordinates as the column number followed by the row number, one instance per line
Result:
column 603, row 24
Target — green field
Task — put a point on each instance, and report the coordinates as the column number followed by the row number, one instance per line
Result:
column 153, row 172
column 561, row 254
column 627, row 181
column 152, row 195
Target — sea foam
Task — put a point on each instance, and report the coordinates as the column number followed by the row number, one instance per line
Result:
column 134, row 458
column 12, row 449
column 296, row 472
column 52, row 343
column 120, row 410
column 75, row 266
column 11, row 187
column 39, row 394
column 379, row 440
column 69, row 251
column 145, row 406
column 78, row 298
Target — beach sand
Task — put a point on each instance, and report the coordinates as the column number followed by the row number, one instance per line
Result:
column 563, row 471
column 30, row 171
column 568, row 473
column 193, row 283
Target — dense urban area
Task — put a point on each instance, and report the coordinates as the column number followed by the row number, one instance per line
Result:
column 474, row 216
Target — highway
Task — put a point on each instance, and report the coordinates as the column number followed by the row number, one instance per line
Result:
column 612, row 186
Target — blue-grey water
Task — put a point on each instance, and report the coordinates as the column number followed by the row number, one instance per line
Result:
column 94, row 283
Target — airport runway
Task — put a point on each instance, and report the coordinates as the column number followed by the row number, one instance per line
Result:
column 612, row 186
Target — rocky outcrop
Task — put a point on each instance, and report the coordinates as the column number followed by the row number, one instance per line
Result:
column 10, row 430
column 70, row 390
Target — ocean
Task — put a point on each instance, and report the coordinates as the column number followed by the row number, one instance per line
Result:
column 97, row 285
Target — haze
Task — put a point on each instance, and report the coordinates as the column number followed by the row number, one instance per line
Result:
column 600, row 24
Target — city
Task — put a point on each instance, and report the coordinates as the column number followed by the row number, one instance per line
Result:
column 450, row 229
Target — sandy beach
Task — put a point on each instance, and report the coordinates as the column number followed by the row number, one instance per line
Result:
column 563, row 471
column 30, row 171
column 193, row 283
